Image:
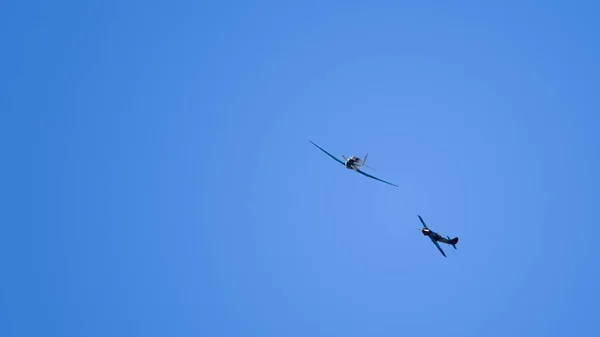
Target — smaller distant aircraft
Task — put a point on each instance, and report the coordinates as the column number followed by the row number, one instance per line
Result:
column 435, row 237
column 354, row 163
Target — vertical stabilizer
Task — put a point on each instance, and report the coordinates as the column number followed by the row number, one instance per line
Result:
column 453, row 242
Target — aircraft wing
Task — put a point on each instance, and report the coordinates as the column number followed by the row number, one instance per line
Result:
column 423, row 222
column 370, row 176
column 438, row 247
column 329, row 154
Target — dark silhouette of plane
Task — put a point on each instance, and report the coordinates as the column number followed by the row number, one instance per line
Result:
column 435, row 237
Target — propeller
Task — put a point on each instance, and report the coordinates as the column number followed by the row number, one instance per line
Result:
column 369, row 167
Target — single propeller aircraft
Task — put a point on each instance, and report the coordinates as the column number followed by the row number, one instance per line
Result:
column 354, row 163
column 435, row 237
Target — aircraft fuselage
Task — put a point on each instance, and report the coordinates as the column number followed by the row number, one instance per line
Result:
column 437, row 237
column 351, row 163
column 431, row 234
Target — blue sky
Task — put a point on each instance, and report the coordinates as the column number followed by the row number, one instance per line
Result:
column 159, row 181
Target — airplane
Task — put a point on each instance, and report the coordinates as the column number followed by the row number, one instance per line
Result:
column 435, row 237
column 354, row 163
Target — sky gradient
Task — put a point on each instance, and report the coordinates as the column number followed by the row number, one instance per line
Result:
column 158, row 178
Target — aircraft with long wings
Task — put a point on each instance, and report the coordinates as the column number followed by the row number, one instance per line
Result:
column 435, row 237
column 354, row 163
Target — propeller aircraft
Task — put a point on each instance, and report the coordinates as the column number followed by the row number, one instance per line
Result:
column 435, row 237
column 354, row 163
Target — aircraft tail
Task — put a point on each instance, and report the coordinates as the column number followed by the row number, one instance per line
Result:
column 453, row 242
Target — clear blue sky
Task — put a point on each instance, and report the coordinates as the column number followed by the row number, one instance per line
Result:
column 158, row 178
